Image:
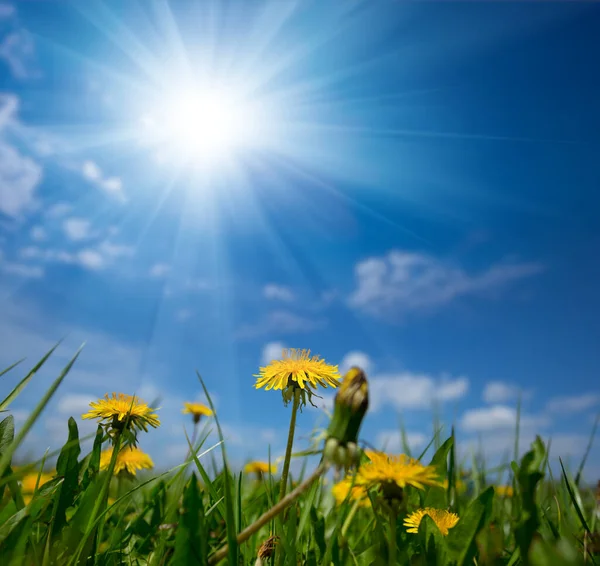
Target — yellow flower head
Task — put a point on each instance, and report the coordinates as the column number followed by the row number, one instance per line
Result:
column 29, row 481
column 129, row 460
column 357, row 492
column 121, row 409
column 382, row 469
column 197, row 410
column 443, row 519
column 259, row 468
column 504, row 490
column 297, row 369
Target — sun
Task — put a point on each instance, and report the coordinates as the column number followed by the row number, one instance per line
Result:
column 206, row 123
column 202, row 126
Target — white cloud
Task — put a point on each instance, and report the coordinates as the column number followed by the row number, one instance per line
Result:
column 498, row 417
column 112, row 251
column 496, row 446
column 573, row 404
column 58, row 209
column 159, row 270
column 278, row 293
column 74, row 404
column 407, row 390
column 38, row 233
column 391, row 440
column 280, row 322
column 76, row 228
column 500, row 392
column 22, row 270
column 271, row 351
column 18, row 51
column 19, row 177
column 197, row 285
column 355, row 358
column 91, row 171
column 6, row 11
column 111, row 185
column 91, row 259
column 183, row 314
column 401, row 282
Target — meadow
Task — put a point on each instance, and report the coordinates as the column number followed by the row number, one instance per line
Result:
column 355, row 505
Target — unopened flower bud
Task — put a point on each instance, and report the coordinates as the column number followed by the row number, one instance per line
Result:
column 351, row 403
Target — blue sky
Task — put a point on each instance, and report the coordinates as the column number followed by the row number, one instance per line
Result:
column 407, row 186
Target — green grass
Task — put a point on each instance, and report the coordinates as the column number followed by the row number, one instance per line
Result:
column 188, row 514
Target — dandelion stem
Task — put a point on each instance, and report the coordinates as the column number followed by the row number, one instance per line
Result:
column 392, row 542
column 290, row 442
column 271, row 513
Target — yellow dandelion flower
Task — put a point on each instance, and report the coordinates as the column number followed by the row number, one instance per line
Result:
column 504, row 490
column 197, row 410
column 259, row 468
column 442, row 518
column 29, row 481
column 297, row 368
column 357, row 492
column 129, row 460
column 382, row 469
column 119, row 409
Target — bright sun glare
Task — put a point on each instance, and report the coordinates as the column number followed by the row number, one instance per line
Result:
column 204, row 122
column 203, row 126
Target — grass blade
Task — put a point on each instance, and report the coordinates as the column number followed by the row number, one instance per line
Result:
column 21, row 385
column 574, row 499
column 7, row 456
column 11, row 367
column 587, row 451
column 230, row 520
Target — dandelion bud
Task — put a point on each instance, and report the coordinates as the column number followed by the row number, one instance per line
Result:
column 351, row 403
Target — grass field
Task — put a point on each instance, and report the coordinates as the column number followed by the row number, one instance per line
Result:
column 105, row 508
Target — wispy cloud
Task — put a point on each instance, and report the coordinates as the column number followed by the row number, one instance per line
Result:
column 91, row 257
column 19, row 177
column 501, row 392
column 573, row 404
column 159, row 270
column 403, row 282
column 38, row 233
column 499, row 417
column 110, row 185
column 391, row 440
column 278, row 293
column 77, row 228
column 17, row 49
column 21, row 269
column 58, row 210
column 356, row 358
column 280, row 322
column 271, row 351
column 406, row 390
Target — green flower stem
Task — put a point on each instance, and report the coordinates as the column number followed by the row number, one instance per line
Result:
column 286, row 466
column 271, row 513
column 392, row 541
column 290, row 442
